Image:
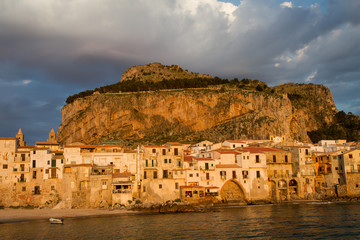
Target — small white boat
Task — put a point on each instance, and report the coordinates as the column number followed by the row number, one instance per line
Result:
column 56, row 220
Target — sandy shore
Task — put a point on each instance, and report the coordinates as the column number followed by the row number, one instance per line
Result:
column 9, row 215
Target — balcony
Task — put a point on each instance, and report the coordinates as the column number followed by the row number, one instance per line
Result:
column 21, row 180
column 122, row 191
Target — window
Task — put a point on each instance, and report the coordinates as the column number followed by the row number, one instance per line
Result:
column 234, row 146
column 154, row 150
column 47, row 171
column 165, row 174
column 274, row 158
column 155, row 175
column 191, row 175
column 257, row 174
column 223, row 174
column 23, row 157
column 245, row 174
column 146, row 163
column 53, row 163
column 176, row 151
column 23, row 189
column 176, row 185
column 52, row 188
column 37, row 190
column 165, row 160
column 34, row 163
column 48, row 162
column 34, row 174
column 286, row 158
column 152, row 162
column 62, row 161
column 144, row 189
column 350, row 156
column 5, row 166
column 164, row 152
column 104, row 185
column 144, row 174
column 233, row 174
column 169, row 160
column 257, row 159
column 160, row 186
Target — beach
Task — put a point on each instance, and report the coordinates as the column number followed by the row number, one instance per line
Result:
column 9, row 215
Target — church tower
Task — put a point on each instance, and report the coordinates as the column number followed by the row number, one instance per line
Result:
column 20, row 137
column 52, row 136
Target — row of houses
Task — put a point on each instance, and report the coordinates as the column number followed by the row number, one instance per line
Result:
column 79, row 175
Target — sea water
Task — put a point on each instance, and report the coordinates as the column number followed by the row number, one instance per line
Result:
column 295, row 221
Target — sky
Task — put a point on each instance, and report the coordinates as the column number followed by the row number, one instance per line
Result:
column 51, row 49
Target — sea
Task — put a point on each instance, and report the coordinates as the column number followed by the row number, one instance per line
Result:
column 315, row 220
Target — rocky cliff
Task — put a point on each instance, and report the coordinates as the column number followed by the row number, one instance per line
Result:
column 155, row 72
column 188, row 115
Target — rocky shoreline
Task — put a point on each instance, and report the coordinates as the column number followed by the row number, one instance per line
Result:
column 11, row 215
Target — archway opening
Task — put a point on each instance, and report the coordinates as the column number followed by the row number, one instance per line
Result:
column 232, row 192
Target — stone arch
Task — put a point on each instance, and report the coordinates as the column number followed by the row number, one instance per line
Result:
column 293, row 187
column 273, row 190
column 283, row 189
column 232, row 191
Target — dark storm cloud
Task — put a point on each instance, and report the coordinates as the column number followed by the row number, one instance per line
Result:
column 52, row 49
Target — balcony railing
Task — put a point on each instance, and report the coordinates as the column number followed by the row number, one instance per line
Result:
column 122, row 191
column 21, row 180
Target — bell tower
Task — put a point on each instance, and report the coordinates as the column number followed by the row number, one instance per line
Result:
column 52, row 136
column 20, row 138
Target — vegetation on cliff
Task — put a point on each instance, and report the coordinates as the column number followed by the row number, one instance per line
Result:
column 140, row 86
column 345, row 126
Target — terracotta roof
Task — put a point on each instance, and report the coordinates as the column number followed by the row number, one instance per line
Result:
column 154, row 146
column 58, row 157
column 46, row 143
column 7, row 138
column 235, row 141
column 212, row 187
column 174, row 143
column 188, row 158
column 224, row 151
column 128, row 150
column 191, row 186
column 26, row 147
column 227, row 166
column 203, row 159
column 259, row 149
column 120, row 175
column 57, row 151
column 81, row 146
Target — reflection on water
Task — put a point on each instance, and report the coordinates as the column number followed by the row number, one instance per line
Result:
column 321, row 221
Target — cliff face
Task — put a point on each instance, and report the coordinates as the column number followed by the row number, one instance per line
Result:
column 190, row 115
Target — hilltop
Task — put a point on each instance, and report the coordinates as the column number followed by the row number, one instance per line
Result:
column 146, row 108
